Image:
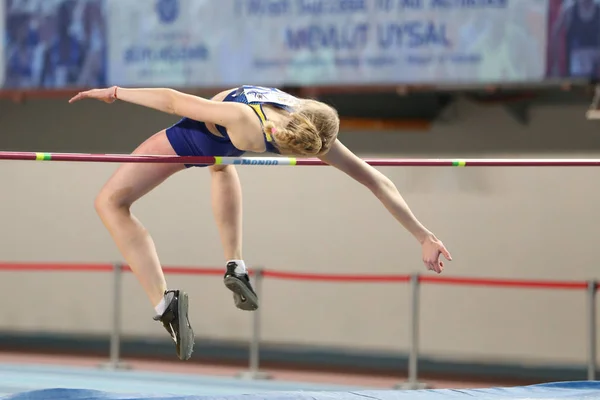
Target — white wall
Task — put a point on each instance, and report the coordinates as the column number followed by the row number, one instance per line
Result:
column 512, row 223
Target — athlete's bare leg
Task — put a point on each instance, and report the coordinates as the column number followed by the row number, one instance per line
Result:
column 113, row 204
column 226, row 193
column 227, row 209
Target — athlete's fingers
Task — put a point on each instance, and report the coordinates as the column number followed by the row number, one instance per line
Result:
column 432, row 266
column 79, row 96
column 89, row 94
column 427, row 265
column 446, row 253
column 437, row 267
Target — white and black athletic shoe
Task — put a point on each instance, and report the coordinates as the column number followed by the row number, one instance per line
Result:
column 244, row 296
column 176, row 322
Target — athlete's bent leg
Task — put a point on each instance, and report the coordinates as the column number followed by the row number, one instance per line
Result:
column 226, row 193
column 113, row 204
column 226, row 196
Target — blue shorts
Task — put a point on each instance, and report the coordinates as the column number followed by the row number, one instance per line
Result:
column 192, row 138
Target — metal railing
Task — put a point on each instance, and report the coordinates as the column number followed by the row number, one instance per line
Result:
column 590, row 288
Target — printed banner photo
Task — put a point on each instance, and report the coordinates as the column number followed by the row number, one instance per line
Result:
column 312, row 42
column 2, row 42
column 168, row 42
column 54, row 43
column 574, row 39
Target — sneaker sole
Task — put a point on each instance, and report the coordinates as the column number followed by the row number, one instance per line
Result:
column 241, row 291
column 186, row 333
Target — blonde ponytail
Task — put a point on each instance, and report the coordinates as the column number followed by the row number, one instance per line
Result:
column 299, row 137
column 311, row 130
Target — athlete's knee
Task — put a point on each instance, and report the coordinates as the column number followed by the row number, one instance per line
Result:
column 221, row 168
column 108, row 201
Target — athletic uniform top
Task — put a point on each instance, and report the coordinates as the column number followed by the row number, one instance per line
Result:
column 189, row 137
column 256, row 97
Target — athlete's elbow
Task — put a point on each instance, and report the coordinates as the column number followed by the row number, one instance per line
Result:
column 172, row 102
column 380, row 184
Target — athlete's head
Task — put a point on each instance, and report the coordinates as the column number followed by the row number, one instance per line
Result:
column 311, row 130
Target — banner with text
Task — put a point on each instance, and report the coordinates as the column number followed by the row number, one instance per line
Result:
column 325, row 42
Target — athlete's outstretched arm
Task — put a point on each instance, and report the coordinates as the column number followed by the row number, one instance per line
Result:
column 170, row 101
column 342, row 158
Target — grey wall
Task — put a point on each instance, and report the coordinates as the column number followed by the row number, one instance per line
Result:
column 512, row 223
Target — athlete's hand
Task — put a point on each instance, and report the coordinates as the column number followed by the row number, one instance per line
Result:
column 107, row 95
column 432, row 249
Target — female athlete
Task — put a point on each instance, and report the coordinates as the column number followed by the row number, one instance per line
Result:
column 249, row 118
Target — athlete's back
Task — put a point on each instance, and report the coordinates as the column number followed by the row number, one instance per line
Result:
column 263, row 95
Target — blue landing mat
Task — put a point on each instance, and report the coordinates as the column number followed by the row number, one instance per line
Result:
column 563, row 390
column 16, row 379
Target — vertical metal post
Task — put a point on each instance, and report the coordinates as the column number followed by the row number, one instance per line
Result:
column 591, row 298
column 115, row 332
column 255, row 340
column 115, row 335
column 254, row 353
column 413, row 357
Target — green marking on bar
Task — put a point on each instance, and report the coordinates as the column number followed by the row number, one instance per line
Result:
column 43, row 156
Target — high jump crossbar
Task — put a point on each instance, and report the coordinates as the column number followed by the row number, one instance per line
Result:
column 290, row 161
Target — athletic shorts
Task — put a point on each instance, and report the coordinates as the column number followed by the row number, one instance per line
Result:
column 192, row 138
